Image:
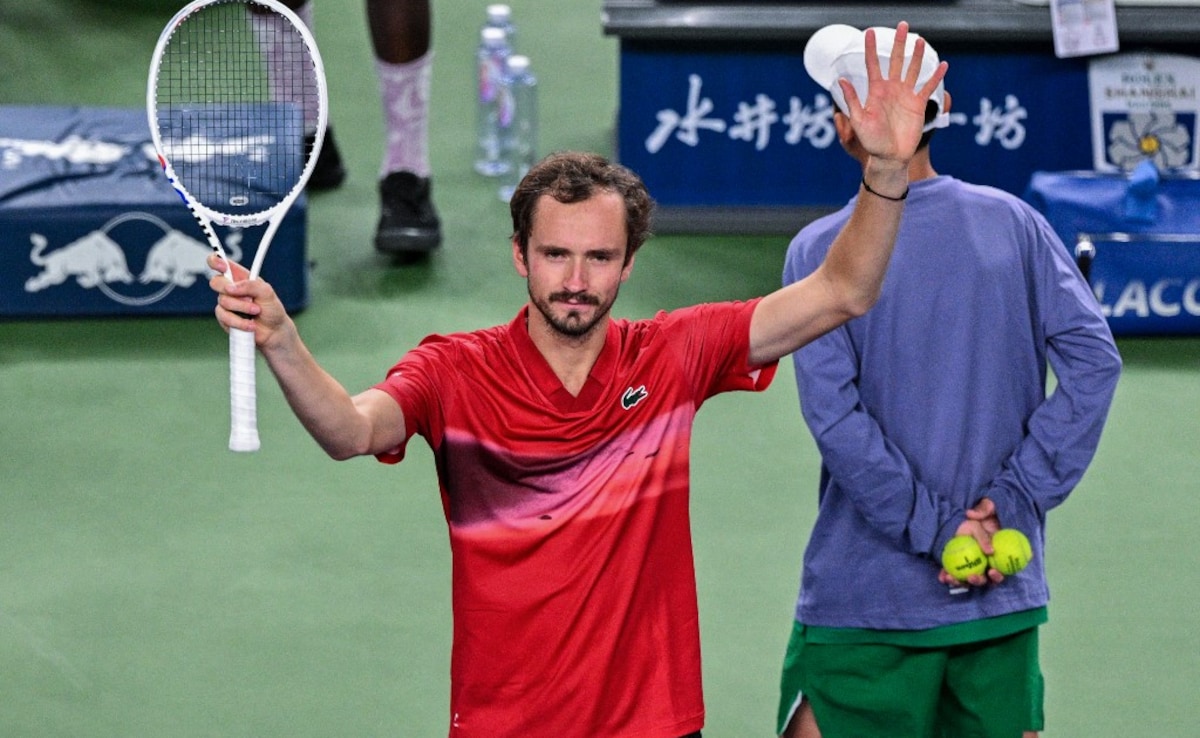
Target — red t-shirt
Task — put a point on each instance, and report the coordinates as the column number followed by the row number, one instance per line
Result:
column 574, row 592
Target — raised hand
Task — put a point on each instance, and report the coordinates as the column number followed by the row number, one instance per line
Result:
column 889, row 124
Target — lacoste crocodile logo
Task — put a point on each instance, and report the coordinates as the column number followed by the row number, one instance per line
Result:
column 633, row 396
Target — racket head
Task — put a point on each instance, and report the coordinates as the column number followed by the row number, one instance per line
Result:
column 234, row 87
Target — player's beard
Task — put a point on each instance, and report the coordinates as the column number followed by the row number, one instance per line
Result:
column 572, row 324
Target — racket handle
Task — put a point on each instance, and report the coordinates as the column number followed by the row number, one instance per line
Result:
column 243, row 433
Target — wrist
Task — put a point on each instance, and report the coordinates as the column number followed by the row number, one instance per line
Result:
column 886, row 178
column 893, row 198
column 884, row 167
column 281, row 341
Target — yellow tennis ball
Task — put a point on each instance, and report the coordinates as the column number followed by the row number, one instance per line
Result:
column 1012, row 551
column 962, row 557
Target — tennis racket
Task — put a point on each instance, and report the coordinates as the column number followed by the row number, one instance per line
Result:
column 235, row 87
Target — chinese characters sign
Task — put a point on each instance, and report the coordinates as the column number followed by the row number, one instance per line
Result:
column 741, row 126
column 753, row 123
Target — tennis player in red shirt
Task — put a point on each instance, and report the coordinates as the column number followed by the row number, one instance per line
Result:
column 561, row 439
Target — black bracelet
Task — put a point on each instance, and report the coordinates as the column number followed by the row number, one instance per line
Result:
column 867, row 187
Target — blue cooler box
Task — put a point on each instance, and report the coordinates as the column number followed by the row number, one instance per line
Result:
column 89, row 225
column 1137, row 239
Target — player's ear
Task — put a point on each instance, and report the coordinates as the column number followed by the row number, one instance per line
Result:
column 519, row 259
column 628, row 268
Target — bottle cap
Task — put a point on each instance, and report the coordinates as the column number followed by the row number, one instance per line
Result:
column 517, row 63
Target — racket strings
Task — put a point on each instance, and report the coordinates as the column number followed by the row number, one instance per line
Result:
column 287, row 57
column 232, row 94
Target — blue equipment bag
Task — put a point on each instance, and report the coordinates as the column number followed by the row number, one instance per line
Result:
column 89, row 225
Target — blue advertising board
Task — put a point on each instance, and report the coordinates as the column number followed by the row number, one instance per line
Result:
column 1139, row 235
column 741, row 124
column 1147, row 283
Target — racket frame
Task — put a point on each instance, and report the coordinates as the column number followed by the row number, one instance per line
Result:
column 243, row 435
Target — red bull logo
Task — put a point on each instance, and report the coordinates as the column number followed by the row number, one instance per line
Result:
column 90, row 227
column 101, row 260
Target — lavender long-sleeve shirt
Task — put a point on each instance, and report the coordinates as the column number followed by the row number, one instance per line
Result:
column 937, row 397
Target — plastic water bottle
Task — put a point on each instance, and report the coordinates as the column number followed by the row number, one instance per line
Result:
column 490, row 59
column 518, row 123
column 500, row 16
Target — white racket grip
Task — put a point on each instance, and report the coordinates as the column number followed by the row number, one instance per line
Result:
column 243, row 433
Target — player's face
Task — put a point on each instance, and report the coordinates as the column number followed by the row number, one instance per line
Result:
column 575, row 262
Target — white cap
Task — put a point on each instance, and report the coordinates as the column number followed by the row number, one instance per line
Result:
column 840, row 51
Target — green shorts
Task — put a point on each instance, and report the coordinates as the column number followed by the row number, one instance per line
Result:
column 987, row 689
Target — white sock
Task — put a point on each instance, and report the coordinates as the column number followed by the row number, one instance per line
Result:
column 404, row 91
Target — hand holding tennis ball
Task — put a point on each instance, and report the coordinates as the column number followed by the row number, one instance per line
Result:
column 1011, row 551
column 962, row 558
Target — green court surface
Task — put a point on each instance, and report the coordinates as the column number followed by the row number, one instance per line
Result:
column 154, row 584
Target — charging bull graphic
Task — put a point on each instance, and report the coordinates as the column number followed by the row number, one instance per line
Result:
column 178, row 259
column 92, row 260
column 99, row 260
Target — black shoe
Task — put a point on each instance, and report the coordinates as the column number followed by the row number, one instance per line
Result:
column 328, row 172
column 408, row 223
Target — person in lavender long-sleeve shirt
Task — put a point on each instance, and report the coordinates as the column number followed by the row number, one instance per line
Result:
column 932, row 418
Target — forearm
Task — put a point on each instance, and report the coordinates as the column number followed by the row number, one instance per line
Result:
column 858, row 259
column 320, row 402
column 869, row 470
column 845, row 285
column 1063, row 433
column 873, row 474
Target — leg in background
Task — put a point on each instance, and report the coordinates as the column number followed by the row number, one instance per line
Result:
column 803, row 724
column 400, row 36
